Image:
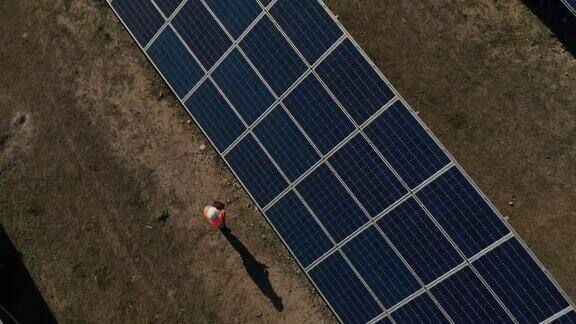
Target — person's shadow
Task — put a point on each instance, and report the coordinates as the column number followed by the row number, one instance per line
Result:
column 256, row 270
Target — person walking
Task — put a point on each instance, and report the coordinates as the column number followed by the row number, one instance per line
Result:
column 216, row 216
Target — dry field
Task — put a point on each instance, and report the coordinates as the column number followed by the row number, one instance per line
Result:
column 94, row 148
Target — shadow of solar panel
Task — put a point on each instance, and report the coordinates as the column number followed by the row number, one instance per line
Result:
column 568, row 318
column 168, row 6
column 201, row 32
column 308, row 25
column 406, row 145
column 297, row 226
column 419, row 241
column 351, row 301
column 330, row 202
column 177, row 65
column 367, row 175
column 462, row 212
column 520, row 283
column 242, row 86
column 354, row 82
column 235, row 15
column 273, row 56
column 318, row 114
column 214, row 115
column 421, row 309
column 141, row 18
column 466, row 299
column 256, row 170
column 286, row 143
column 384, row 272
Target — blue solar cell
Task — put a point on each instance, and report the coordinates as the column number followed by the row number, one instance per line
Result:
column 168, row 6
column 308, row 25
column 333, row 206
column 462, row 212
column 141, row 18
column 235, row 15
column 318, row 114
column 466, row 299
column 299, row 229
column 419, row 241
column 256, row 171
column 214, row 115
column 568, row 318
column 344, row 291
column 385, row 320
column 272, row 55
column 421, row 309
column 242, row 86
column 380, row 266
column 265, row 2
column 520, row 283
column 175, row 62
column 354, row 82
column 366, row 174
column 286, row 143
column 201, row 32
column 406, row 145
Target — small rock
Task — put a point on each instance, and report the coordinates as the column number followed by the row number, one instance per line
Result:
column 202, row 147
column 258, row 314
column 25, row 35
column 511, row 203
column 161, row 95
column 189, row 121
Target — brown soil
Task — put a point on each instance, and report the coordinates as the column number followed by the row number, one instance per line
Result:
column 93, row 148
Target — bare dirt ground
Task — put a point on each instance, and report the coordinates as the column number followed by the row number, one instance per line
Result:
column 93, row 148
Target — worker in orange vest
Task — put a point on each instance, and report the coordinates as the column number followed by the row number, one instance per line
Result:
column 215, row 215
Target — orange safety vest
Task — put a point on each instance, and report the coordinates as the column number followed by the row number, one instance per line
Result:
column 218, row 222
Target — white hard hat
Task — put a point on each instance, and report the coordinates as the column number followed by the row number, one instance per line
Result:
column 212, row 213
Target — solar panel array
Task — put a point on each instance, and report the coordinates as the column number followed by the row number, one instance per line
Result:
column 382, row 220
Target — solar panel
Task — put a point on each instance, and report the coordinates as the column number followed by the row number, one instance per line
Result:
column 382, row 220
column 382, row 269
column 175, row 62
column 286, row 144
column 423, row 245
column 571, row 5
column 201, row 32
column 167, row 6
column 467, row 300
column 568, row 318
column 421, row 309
